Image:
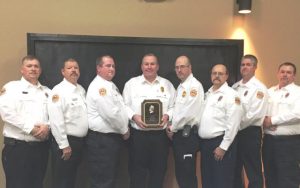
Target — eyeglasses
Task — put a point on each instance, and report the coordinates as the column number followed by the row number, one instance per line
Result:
column 181, row 67
column 218, row 73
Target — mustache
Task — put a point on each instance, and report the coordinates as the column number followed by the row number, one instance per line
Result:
column 74, row 73
column 217, row 79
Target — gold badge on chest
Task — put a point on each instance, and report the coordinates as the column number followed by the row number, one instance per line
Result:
column 55, row 98
column 237, row 100
column 102, row 91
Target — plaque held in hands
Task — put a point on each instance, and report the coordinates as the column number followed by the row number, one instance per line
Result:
column 152, row 113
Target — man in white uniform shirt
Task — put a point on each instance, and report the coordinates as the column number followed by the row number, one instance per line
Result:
column 23, row 108
column 184, row 128
column 221, row 116
column 281, row 144
column 148, row 149
column 253, row 96
column 69, row 126
column 108, row 123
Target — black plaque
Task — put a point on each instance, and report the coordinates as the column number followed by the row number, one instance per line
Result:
column 152, row 113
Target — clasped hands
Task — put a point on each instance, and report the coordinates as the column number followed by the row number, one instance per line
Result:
column 40, row 131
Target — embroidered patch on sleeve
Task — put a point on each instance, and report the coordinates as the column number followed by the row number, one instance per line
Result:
column 260, row 95
column 193, row 93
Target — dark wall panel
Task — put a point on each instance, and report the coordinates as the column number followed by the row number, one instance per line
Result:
column 53, row 50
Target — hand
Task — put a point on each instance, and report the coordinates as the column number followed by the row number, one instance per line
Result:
column 34, row 131
column 40, row 131
column 169, row 132
column 267, row 122
column 138, row 120
column 164, row 120
column 126, row 135
column 67, row 152
column 273, row 128
column 219, row 154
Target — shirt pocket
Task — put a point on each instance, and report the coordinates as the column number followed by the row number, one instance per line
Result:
column 218, row 109
column 75, row 108
column 26, row 104
column 181, row 100
column 285, row 104
column 116, row 97
column 163, row 97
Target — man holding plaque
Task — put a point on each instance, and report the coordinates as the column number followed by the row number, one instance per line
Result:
column 184, row 129
column 108, row 123
column 149, row 99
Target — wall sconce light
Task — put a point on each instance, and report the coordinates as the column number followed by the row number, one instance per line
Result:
column 244, row 6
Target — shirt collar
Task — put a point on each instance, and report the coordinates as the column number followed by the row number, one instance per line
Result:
column 221, row 89
column 186, row 81
column 27, row 84
column 106, row 83
column 288, row 88
column 247, row 84
column 68, row 85
column 144, row 81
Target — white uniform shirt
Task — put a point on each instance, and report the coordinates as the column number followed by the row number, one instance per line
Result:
column 284, row 109
column 189, row 98
column 22, row 106
column 253, row 95
column 67, row 112
column 221, row 115
column 138, row 89
column 106, row 108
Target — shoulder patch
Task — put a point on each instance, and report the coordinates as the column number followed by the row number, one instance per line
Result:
column 193, row 93
column 2, row 91
column 102, row 91
column 162, row 89
column 237, row 100
column 260, row 95
column 55, row 98
column 183, row 93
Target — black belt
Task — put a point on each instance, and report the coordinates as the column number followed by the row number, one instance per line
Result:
column 75, row 138
column 13, row 141
column 187, row 130
column 99, row 133
column 287, row 137
column 214, row 138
